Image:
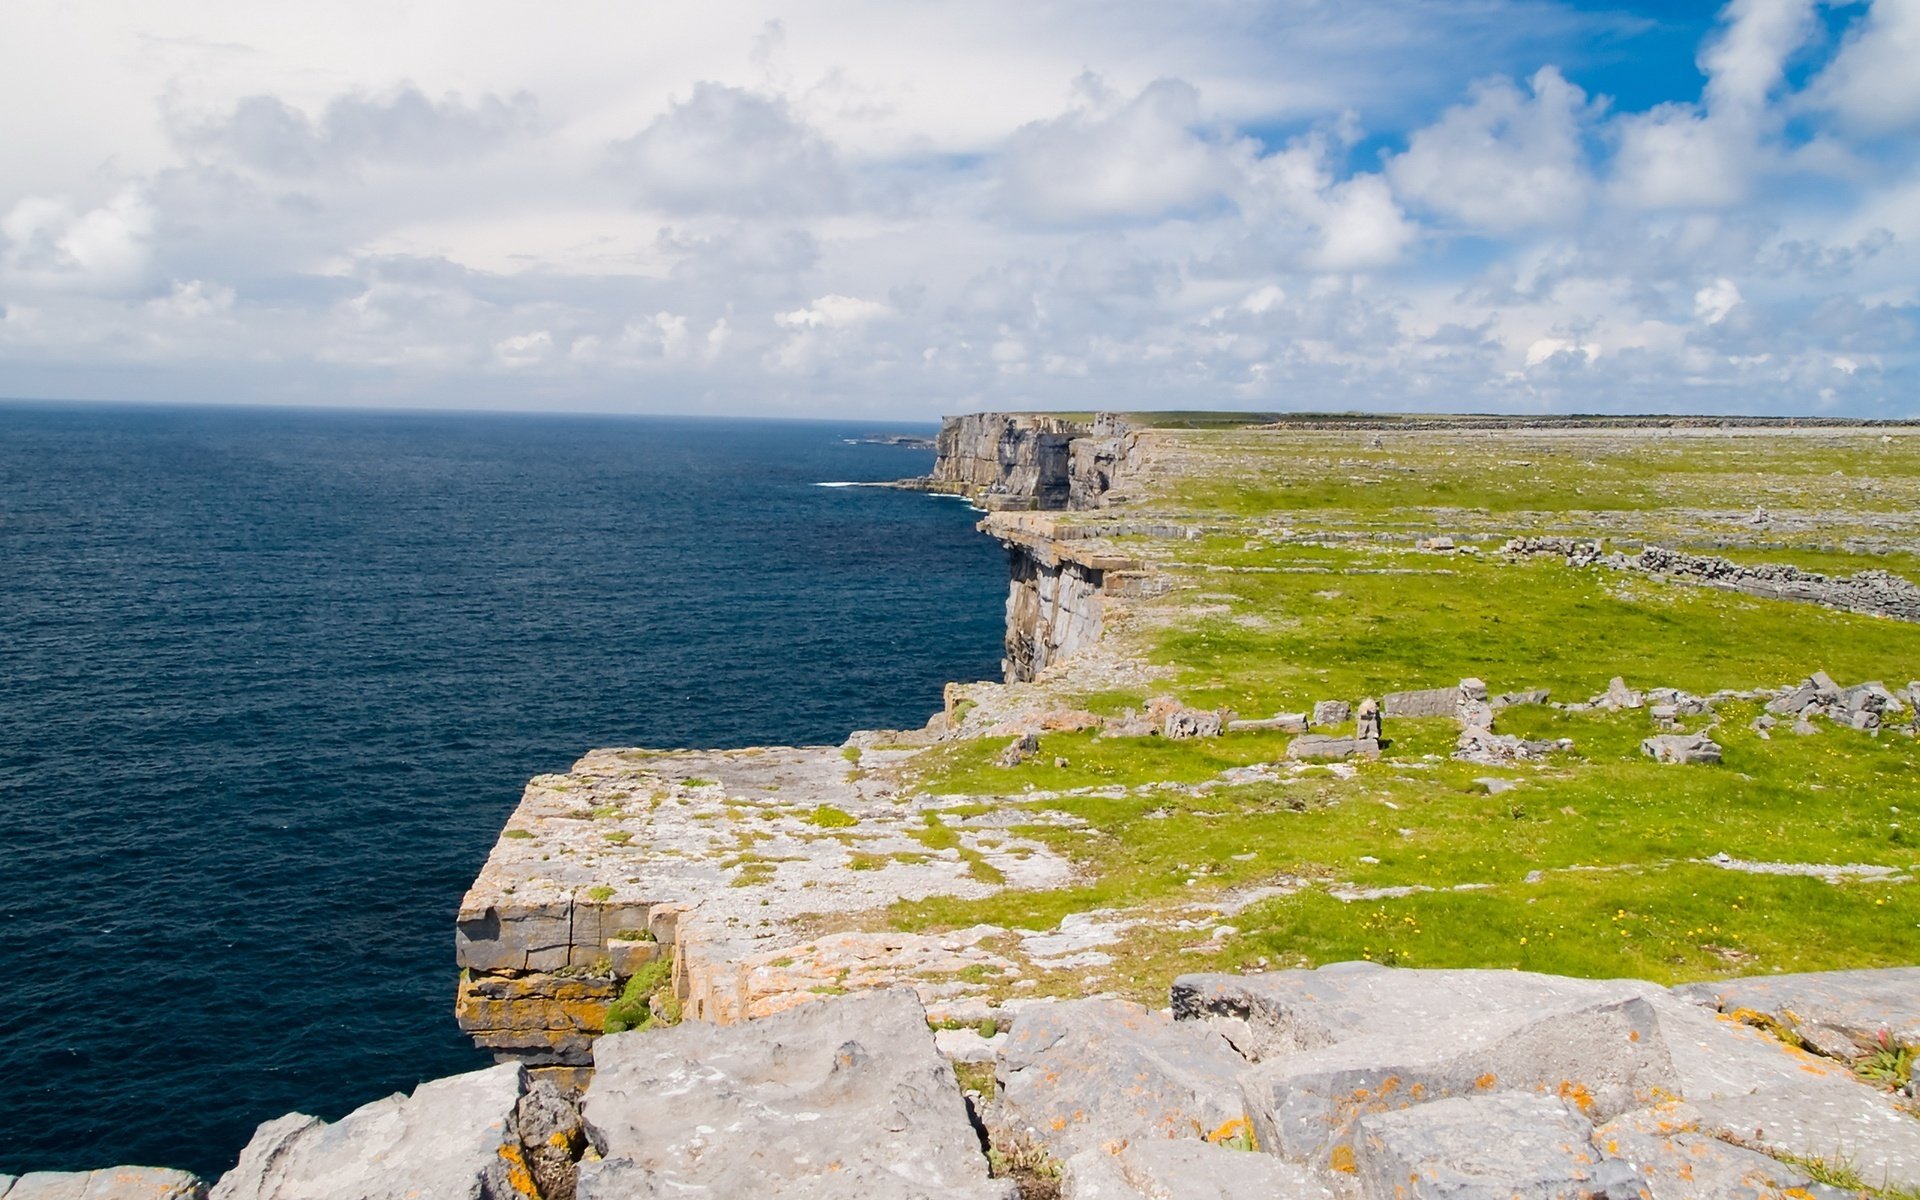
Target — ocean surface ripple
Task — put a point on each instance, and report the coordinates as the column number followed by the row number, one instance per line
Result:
column 270, row 682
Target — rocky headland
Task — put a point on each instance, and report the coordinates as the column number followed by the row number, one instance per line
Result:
column 1245, row 881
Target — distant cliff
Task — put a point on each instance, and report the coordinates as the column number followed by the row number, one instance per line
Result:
column 1019, row 461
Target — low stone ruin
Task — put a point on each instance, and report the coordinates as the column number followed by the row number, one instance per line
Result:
column 1880, row 593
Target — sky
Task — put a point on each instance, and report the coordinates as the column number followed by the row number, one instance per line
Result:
column 903, row 208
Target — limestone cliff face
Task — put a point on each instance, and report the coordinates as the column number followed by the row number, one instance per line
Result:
column 1006, row 460
column 1057, row 590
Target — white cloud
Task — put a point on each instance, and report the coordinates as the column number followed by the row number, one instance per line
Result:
column 912, row 208
column 725, row 149
column 1713, row 302
column 46, row 243
column 1106, row 159
column 1873, row 83
column 1506, row 159
column 403, row 128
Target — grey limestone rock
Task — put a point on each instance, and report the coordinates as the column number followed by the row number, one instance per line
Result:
column 1285, row 722
column 1084, row 1072
column 1681, row 748
column 1483, row 746
column 1675, row 1161
column 443, row 1142
column 841, row 1097
column 1858, row 1006
column 1353, row 1038
column 1332, row 712
column 1507, row 1146
column 1322, row 746
column 1427, row 702
column 1018, row 750
column 1181, row 722
column 108, row 1183
column 1184, row 1170
column 1619, row 695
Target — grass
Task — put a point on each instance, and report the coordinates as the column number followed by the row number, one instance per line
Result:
column 1349, row 631
column 826, row 816
column 1614, row 837
column 646, row 1000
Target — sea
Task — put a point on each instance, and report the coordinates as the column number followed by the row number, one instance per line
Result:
column 271, row 680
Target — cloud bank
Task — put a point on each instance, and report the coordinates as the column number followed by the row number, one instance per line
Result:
column 902, row 210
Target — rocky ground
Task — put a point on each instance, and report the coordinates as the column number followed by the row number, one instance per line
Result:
column 1351, row 1081
column 1284, row 705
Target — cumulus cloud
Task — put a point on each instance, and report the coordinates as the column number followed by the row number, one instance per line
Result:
column 1705, row 155
column 1872, row 83
column 1141, row 208
column 45, row 242
column 1507, row 159
column 404, row 127
column 1110, row 159
column 728, row 150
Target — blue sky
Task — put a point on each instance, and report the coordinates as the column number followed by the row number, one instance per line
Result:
column 900, row 208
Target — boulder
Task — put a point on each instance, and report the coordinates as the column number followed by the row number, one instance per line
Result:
column 840, row 1097
column 1508, row 1146
column 453, row 1139
column 1184, row 1170
column 1681, row 748
column 1180, row 722
column 1332, row 712
column 1081, row 1073
column 108, row 1183
column 1619, row 695
column 1530, row 696
column 1489, row 749
column 1018, row 750
column 1855, row 1007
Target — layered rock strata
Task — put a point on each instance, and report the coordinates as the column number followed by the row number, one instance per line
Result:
column 1006, row 460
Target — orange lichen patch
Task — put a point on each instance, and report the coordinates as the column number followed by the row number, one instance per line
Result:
column 1686, row 1171
column 1230, row 1130
column 1578, row 1093
column 519, row 1178
column 1418, row 1091
column 1341, row 1160
column 1389, row 1086
column 1486, row 1081
column 1633, row 1035
column 1058, row 1123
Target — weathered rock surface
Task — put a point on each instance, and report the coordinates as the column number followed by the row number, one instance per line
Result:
column 1676, row 1161
column 1080, row 1073
column 1353, row 1040
column 1007, row 460
column 847, row 1097
column 1497, row 1147
column 1857, row 1006
column 1681, row 748
column 108, row 1183
column 1325, row 746
column 1158, row 1169
column 453, row 1139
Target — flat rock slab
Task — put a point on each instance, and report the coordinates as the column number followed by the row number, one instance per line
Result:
column 1184, row 1170
column 1857, row 1005
column 108, row 1183
column 1510, row 1146
column 452, row 1139
column 846, row 1097
column 1081, row 1073
column 1355, row 1040
column 1675, row 1161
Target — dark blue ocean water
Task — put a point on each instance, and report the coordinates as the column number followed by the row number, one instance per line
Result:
column 270, row 682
